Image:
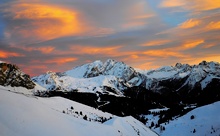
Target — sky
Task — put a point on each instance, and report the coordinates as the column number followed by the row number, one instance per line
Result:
column 57, row 35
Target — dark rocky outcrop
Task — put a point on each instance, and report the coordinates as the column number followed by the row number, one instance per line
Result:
column 11, row 75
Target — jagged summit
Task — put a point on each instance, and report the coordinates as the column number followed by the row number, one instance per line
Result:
column 96, row 68
column 11, row 75
column 92, row 77
column 189, row 77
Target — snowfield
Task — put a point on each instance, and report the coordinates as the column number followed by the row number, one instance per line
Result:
column 202, row 121
column 22, row 114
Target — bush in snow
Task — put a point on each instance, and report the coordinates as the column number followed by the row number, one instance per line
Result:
column 192, row 117
column 85, row 117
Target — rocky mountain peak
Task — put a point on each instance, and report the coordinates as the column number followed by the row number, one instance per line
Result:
column 11, row 75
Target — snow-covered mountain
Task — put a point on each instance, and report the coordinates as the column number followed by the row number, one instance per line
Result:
column 93, row 77
column 182, row 76
column 28, row 115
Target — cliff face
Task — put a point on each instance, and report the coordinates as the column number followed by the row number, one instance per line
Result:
column 11, row 75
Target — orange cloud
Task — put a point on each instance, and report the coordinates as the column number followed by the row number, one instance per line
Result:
column 6, row 54
column 94, row 50
column 148, row 65
column 61, row 60
column 47, row 21
column 195, row 5
column 156, row 42
column 213, row 26
column 164, row 53
column 208, row 46
column 31, row 70
column 144, row 16
column 134, row 56
column 171, row 3
column 191, row 44
column 44, row 50
column 189, row 24
column 204, row 4
column 107, row 51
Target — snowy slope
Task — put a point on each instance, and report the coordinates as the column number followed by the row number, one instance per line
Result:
column 52, row 81
column 202, row 121
column 26, row 115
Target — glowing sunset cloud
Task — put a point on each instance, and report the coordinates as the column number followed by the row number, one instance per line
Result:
column 61, row 60
column 164, row 53
column 46, row 21
column 205, row 4
column 94, row 50
column 189, row 24
column 147, row 66
column 198, row 5
column 44, row 50
column 172, row 3
column 209, row 45
column 156, row 42
column 134, row 56
column 192, row 44
column 5, row 54
column 213, row 26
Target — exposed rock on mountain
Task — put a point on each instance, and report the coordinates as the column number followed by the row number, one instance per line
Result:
column 11, row 75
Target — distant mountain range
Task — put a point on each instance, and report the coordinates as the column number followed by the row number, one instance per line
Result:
column 114, row 78
column 93, row 77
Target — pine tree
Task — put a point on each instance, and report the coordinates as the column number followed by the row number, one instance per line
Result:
column 152, row 124
column 85, row 117
column 194, row 131
column 192, row 117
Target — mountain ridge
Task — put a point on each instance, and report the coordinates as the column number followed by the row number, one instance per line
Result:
column 126, row 76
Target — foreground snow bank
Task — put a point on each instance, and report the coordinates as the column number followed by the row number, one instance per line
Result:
column 202, row 121
column 22, row 115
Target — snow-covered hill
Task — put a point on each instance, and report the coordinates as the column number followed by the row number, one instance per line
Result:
column 202, row 121
column 27, row 115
